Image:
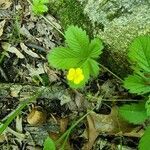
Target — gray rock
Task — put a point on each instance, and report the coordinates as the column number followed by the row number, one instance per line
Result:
column 119, row 21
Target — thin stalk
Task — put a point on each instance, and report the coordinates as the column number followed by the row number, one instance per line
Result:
column 111, row 72
column 66, row 134
column 48, row 21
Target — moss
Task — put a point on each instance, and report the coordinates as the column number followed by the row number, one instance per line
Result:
column 70, row 12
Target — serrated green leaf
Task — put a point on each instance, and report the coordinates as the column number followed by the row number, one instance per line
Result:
column 35, row 2
column 77, row 40
column 139, row 52
column 49, row 144
column 63, row 58
column 147, row 106
column 39, row 9
column 133, row 113
column 95, row 48
column 145, row 140
column 44, row 1
column 94, row 67
column 136, row 84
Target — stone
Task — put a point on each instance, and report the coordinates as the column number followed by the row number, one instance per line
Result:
column 120, row 21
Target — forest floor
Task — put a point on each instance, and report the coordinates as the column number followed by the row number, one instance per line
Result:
column 25, row 40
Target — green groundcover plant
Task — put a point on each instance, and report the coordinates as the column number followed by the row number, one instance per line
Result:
column 39, row 6
column 139, row 83
column 78, row 56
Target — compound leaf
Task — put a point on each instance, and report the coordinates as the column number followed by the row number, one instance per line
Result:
column 133, row 113
column 144, row 141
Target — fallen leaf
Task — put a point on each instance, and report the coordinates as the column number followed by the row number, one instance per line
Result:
column 4, row 4
column 91, row 132
column 63, row 124
column 15, row 90
column 9, row 48
column 19, row 126
column 2, row 138
column 28, row 51
column 35, row 71
column 110, row 124
column 2, row 23
column 37, row 116
column 26, row 33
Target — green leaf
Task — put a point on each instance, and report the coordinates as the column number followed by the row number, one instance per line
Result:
column 93, row 67
column 136, row 84
column 77, row 40
column 63, row 58
column 133, row 113
column 139, row 52
column 95, row 48
column 49, row 144
column 39, row 6
column 40, row 2
column 39, row 9
column 147, row 106
column 44, row 1
column 145, row 140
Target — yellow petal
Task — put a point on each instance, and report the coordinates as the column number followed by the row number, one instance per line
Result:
column 77, row 81
column 81, row 77
column 79, row 71
column 71, row 74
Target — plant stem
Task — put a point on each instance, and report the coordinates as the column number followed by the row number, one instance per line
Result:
column 67, row 133
column 111, row 72
column 52, row 25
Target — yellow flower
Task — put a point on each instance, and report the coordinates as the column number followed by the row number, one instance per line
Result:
column 75, row 75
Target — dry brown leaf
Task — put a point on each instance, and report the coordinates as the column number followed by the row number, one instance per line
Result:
column 37, row 116
column 91, row 132
column 4, row 4
column 2, row 23
column 63, row 124
column 35, row 71
column 9, row 48
column 26, row 33
column 19, row 126
column 111, row 124
column 28, row 51
column 2, row 138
